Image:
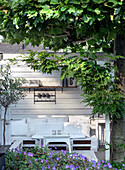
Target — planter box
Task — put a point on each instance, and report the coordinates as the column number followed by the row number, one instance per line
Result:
column 3, row 150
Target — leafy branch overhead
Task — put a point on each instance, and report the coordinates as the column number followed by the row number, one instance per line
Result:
column 97, row 82
column 65, row 23
column 42, row 61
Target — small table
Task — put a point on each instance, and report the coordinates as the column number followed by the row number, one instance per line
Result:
column 57, row 138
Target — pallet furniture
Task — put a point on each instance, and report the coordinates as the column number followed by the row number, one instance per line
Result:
column 57, row 141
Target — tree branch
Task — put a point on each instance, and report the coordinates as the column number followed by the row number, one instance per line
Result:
column 54, row 36
column 82, row 41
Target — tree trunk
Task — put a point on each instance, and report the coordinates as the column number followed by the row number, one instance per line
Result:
column 117, row 134
column 4, row 128
column 117, row 139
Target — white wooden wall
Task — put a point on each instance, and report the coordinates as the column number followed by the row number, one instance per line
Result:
column 67, row 102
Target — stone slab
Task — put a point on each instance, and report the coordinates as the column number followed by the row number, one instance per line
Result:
column 89, row 154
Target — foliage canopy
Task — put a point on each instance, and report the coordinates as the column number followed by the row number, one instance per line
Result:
column 70, row 25
column 63, row 23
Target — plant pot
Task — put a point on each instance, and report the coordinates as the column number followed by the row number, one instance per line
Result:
column 3, row 150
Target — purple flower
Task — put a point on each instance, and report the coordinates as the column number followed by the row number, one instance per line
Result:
column 50, row 154
column 46, row 161
column 53, row 168
column 98, row 163
column 24, row 153
column 48, row 167
column 55, row 147
column 42, row 168
column 30, row 162
column 77, row 166
column 93, row 165
column 57, row 159
column 110, row 166
column 105, row 165
column 83, row 157
column 13, row 161
column 72, row 167
column 80, row 155
column 30, row 154
column 98, row 167
column 64, row 152
column 35, row 159
column 66, row 166
column 42, row 160
column 18, row 151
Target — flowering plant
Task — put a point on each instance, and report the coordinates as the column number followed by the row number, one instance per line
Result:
column 45, row 159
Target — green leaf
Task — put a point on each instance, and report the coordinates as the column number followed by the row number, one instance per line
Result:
column 117, row 10
column 54, row 2
column 27, row 41
column 91, row 21
column 70, row 10
column 98, row 1
column 74, row 1
column 46, row 9
column 114, row 1
column 97, row 11
column 66, row 1
column 86, row 18
column 63, row 8
column 43, row 0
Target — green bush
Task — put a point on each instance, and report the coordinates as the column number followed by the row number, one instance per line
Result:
column 45, row 159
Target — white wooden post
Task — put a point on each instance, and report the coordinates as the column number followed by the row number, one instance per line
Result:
column 107, row 138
